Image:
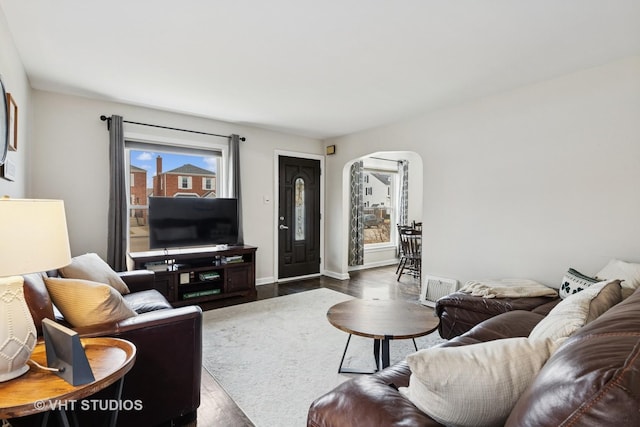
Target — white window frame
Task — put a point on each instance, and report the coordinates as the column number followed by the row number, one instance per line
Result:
column 181, row 180
column 133, row 140
column 207, row 183
column 394, row 206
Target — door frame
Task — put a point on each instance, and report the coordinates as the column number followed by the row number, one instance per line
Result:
column 276, row 202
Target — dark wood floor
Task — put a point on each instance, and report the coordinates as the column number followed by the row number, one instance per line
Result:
column 218, row 409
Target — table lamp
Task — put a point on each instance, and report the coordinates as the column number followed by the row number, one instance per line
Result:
column 33, row 238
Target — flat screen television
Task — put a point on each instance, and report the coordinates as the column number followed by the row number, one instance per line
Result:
column 190, row 221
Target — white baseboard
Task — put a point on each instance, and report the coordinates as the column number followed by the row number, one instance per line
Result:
column 374, row 264
column 265, row 281
column 334, row 275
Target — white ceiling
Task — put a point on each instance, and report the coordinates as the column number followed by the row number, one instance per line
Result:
column 317, row 68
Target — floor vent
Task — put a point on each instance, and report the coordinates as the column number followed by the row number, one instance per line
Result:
column 436, row 287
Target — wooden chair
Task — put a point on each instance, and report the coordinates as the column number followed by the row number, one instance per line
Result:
column 401, row 248
column 410, row 252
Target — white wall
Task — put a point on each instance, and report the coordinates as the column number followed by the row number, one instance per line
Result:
column 521, row 184
column 15, row 82
column 70, row 162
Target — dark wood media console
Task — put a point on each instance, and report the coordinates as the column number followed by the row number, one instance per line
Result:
column 208, row 276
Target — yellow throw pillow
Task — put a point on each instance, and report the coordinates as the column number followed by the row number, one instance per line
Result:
column 85, row 303
column 91, row 267
column 474, row 385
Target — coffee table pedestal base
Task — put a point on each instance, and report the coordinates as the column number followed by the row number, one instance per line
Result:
column 381, row 358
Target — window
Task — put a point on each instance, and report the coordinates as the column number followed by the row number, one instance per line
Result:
column 380, row 202
column 166, row 171
column 207, row 183
column 184, row 182
column 300, row 209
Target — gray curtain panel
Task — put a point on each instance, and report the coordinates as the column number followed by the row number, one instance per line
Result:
column 356, row 231
column 234, row 179
column 117, row 228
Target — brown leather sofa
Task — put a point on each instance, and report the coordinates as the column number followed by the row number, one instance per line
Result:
column 459, row 312
column 592, row 379
column 167, row 372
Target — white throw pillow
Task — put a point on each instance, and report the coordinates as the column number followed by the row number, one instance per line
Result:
column 627, row 272
column 577, row 310
column 85, row 303
column 574, row 282
column 474, row 385
column 91, row 267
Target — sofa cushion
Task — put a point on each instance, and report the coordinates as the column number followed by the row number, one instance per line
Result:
column 627, row 272
column 577, row 310
column 501, row 369
column 574, row 282
column 146, row 301
column 91, row 267
column 85, row 303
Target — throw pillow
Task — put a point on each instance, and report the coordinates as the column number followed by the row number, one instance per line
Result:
column 494, row 375
column 577, row 310
column 627, row 272
column 574, row 282
column 85, row 303
column 91, row 267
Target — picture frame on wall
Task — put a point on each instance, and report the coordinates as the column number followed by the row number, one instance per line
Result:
column 8, row 170
column 13, row 122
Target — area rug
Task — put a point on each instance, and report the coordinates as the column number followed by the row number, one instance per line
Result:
column 275, row 356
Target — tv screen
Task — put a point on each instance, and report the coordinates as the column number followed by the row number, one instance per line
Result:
column 185, row 221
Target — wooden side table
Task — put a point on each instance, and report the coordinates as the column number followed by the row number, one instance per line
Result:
column 382, row 320
column 39, row 391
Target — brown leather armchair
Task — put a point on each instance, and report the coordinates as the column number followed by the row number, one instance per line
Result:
column 167, row 373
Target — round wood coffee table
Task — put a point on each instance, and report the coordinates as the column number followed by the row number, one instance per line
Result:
column 382, row 320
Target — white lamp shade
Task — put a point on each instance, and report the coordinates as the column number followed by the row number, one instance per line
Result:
column 33, row 236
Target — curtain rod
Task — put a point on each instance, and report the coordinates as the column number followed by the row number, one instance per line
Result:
column 108, row 120
column 386, row 160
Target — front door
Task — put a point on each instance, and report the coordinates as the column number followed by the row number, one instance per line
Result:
column 298, row 217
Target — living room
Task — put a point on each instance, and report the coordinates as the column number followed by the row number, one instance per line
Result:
column 526, row 175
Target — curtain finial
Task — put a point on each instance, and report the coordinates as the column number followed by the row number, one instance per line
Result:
column 106, row 119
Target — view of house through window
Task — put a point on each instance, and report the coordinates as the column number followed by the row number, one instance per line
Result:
column 176, row 173
column 380, row 201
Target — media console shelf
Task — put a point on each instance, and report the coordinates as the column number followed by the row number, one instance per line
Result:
column 202, row 275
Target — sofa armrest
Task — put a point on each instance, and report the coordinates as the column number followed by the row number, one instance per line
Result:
column 460, row 312
column 371, row 400
column 166, row 376
column 150, row 319
column 138, row 280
